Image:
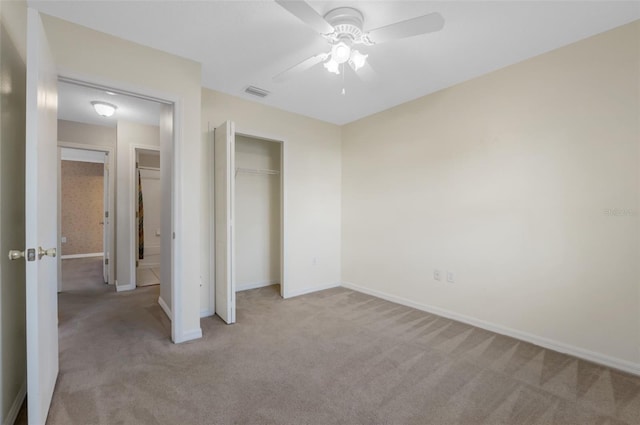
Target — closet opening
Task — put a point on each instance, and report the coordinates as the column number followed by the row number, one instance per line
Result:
column 258, row 213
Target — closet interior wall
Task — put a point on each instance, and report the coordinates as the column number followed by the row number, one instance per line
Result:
column 257, row 213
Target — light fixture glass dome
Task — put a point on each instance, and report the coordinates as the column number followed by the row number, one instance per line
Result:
column 103, row 108
column 357, row 59
column 332, row 66
column 340, row 52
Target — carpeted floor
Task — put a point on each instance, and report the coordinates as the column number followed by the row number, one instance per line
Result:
column 332, row 357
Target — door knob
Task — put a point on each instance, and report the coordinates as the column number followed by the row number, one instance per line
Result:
column 51, row 252
column 14, row 254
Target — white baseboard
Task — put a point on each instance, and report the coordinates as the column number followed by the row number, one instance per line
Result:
column 123, row 288
column 142, row 265
column 592, row 356
column 12, row 414
column 165, row 308
column 189, row 336
column 206, row 312
column 255, row 285
column 71, row 256
column 298, row 292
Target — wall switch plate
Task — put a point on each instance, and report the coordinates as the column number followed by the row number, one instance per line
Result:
column 64, row 239
column 451, row 277
column 437, row 275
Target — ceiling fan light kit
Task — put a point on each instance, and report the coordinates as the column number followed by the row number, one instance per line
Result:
column 343, row 27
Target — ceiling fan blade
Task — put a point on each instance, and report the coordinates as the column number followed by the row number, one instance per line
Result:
column 421, row 25
column 300, row 68
column 367, row 74
column 307, row 14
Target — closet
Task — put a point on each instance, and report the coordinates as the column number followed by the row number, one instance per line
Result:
column 258, row 201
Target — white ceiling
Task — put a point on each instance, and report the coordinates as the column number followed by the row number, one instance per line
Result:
column 241, row 43
column 74, row 104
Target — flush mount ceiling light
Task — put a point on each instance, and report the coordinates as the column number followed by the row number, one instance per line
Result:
column 343, row 29
column 103, row 108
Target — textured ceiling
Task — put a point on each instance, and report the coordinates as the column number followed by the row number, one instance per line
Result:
column 241, row 43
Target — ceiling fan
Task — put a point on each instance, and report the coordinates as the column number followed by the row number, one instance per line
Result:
column 343, row 29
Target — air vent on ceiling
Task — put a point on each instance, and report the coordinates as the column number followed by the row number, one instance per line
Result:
column 255, row 91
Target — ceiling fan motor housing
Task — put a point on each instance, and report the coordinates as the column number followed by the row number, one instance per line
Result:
column 347, row 23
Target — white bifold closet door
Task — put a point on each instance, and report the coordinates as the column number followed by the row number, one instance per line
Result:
column 224, row 188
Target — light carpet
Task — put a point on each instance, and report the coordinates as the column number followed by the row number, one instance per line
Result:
column 332, row 357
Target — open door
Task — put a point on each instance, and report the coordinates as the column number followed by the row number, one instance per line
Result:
column 224, row 169
column 105, row 221
column 41, row 221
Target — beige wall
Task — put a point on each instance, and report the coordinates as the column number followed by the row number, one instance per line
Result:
column 86, row 134
column 82, row 206
column 257, row 214
column 86, row 54
column 312, row 171
column 506, row 181
column 13, row 350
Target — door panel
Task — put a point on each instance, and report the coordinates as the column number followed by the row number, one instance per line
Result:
column 41, row 221
column 224, row 168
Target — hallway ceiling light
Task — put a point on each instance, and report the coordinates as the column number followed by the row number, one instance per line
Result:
column 103, row 108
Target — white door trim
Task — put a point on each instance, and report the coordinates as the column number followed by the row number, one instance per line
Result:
column 110, row 151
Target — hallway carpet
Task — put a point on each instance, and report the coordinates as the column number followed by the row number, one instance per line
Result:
column 332, row 357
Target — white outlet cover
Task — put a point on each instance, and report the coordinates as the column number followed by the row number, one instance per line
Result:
column 437, row 275
column 451, row 277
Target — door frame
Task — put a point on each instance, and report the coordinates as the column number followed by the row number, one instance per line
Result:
column 110, row 152
column 134, row 148
column 177, row 249
column 284, row 263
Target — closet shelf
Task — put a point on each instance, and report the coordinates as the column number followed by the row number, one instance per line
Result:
column 256, row 171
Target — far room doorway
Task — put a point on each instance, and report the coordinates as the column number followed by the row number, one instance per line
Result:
column 85, row 229
column 148, row 197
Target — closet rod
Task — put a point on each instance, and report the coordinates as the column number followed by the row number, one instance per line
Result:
column 140, row 167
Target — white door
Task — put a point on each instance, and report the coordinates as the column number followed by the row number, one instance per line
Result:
column 41, row 221
column 105, row 221
column 224, row 169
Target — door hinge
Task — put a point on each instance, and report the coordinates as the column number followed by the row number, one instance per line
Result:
column 106, row 214
column 137, row 263
column 106, row 261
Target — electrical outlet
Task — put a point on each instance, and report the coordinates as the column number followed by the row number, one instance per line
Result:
column 451, row 278
column 437, row 275
column 64, row 239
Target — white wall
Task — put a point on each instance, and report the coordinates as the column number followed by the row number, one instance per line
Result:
column 506, row 181
column 312, row 171
column 86, row 54
column 257, row 214
column 129, row 134
column 13, row 349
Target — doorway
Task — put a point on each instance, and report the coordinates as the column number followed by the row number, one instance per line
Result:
column 135, row 131
column 147, row 232
column 258, row 201
column 259, row 250
column 84, row 223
